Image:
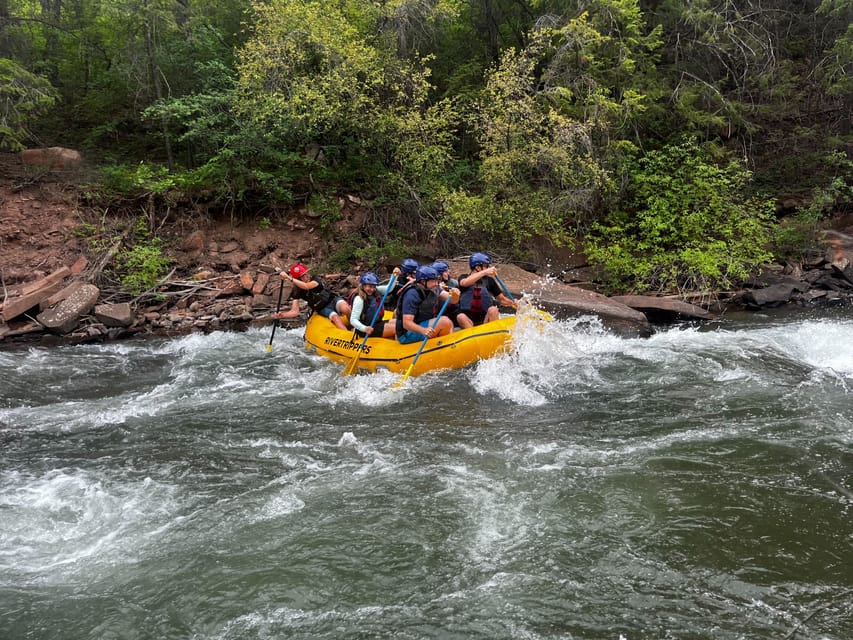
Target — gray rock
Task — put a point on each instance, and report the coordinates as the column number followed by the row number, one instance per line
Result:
column 115, row 315
column 64, row 317
column 771, row 296
column 663, row 306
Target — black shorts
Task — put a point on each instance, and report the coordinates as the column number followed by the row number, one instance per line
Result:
column 477, row 318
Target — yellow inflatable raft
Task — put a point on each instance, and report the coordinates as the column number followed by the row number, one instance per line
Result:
column 459, row 349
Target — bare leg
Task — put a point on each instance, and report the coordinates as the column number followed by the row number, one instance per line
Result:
column 444, row 326
column 343, row 308
column 336, row 320
column 464, row 321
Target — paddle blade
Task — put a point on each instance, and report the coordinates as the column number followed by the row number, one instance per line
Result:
column 547, row 317
column 405, row 377
column 351, row 367
column 269, row 348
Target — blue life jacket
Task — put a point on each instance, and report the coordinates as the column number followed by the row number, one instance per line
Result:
column 371, row 304
column 478, row 298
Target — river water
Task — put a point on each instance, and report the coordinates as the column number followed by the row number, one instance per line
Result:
column 695, row 484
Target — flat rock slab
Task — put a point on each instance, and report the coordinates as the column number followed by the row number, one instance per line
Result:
column 64, row 317
column 666, row 306
column 564, row 301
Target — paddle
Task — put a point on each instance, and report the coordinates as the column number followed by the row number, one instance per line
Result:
column 423, row 344
column 351, row 366
column 275, row 324
column 504, row 287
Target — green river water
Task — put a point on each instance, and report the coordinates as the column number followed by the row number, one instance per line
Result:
column 695, row 484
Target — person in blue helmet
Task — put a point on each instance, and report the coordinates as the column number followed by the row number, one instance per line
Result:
column 367, row 304
column 480, row 293
column 418, row 307
column 448, row 283
column 405, row 276
column 444, row 278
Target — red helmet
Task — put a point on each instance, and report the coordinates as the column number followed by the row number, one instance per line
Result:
column 298, row 270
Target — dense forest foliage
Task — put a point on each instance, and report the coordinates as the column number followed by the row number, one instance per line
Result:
column 657, row 136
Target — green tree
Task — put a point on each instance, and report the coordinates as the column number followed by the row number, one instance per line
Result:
column 113, row 58
column 556, row 122
column 316, row 73
column 23, row 96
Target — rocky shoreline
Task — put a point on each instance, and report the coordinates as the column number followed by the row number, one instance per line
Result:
column 65, row 306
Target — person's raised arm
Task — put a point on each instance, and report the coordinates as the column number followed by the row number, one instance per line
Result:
column 301, row 284
column 472, row 277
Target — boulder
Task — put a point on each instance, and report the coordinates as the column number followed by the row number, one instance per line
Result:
column 564, row 301
column 662, row 307
column 771, row 296
column 52, row 158
column 64, row 317
column 115, row 315
column 60, row 295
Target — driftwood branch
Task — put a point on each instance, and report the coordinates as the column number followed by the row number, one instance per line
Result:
column 94, row 273
column 151, row 290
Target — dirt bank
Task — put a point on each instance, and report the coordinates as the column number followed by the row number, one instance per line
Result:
column 46, row 223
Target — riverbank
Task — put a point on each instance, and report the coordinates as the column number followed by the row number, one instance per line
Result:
column 56, row 287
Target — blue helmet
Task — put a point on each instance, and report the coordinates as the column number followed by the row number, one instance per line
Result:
column 409, row 266
column 426, row 273
column 369, row 278
column 478, row 258
column 440, row 266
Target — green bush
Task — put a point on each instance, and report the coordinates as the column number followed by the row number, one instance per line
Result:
column 143, row 264
column 689, row 225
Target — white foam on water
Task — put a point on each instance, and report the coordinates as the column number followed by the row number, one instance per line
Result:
column 819, row 345
column 378, row 389
column 547, row 360
column 67, row 523
column 78, row 415
column 497, row 518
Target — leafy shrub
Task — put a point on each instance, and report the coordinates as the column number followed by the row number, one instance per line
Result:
column 689, row 224
column 328, row 207
column 143, row 264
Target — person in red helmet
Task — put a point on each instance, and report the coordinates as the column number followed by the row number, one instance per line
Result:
column 319, row 298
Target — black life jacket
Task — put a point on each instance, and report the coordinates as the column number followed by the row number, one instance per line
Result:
column 396, row 293
column 427, row 308
column 317, row 298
